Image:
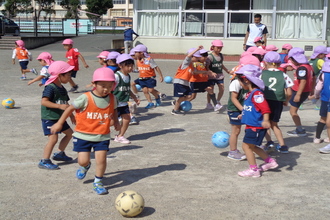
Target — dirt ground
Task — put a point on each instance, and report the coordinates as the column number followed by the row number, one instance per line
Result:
column 171, row 161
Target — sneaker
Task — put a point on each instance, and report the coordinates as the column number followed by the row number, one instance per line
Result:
column 209, row 106
column 122, row 140
column 82, row 171
column 268, row 147
column 23, row 77
column 326, row 140
column 317, row 107
column 48, row 165
column 162, row 96
column 217, row 107
column 173, row 112
column 158, row 102
column 99, row 188
column 34, row 71
column 325, row 150
column 150, row 105
column 268, row 166
column 61, row 156
column 317, row 140
column 297, row 133
column 133, row 121
column 173, row 102
column 249, row 173
column 301, row 107
column 236, row 155
column 282, row 149
column 74, row 89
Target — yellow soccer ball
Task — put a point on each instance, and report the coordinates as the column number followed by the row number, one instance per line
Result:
column 8, row 103
column 129, row 203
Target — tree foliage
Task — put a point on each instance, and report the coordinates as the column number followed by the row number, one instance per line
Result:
column 13, row 7
column 99, row 7
column 72, row 7
column 46, row 6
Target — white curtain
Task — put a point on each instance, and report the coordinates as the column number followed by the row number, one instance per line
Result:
column 263, row 4
column 147, row 4
column 168, row 4
column 158, row 24
column 311, row 26
column 287, row 25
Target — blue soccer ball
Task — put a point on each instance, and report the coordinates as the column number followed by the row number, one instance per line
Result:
column 138, row 87
column 220, row 139
column 168, row 79
column 185, row 106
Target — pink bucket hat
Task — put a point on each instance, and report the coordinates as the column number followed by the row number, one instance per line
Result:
column 57, row 68
column 103, row 54
column 217, row 43
column 289, row 63
column 271, row 48
column 252, row 73
column 68, row 41
column 328, row 50
column 251, row 49
column 272, row 57
column 259, row 51
column 257, row 39
column 123, row 57
column 20, row 44
column 319, row 50
column 104, row 74
column 47, row 57
column 249, row 59
column 246, row 53
column 112, row 55
column 287, row 46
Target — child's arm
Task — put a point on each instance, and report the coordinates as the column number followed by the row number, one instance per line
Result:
column 116, row 123
column 45, row 102
column 288, row 94
column 59, row 124
column 301, row 88
column 225, row 69
column 265, row 122
column 29, row 55
column 234, row 99
column 83, row 60
column 159, row 73
column 197, row 49
column 38, row 78
column 136, row 100
column 13, row 56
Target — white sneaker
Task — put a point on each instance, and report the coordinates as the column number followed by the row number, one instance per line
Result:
column 209, row 106
column 326, row 140
column 325, row 150
column 217, row 107
column 317, row 140
column 122, row 140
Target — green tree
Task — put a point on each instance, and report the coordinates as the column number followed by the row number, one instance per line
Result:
column 46, row 6
column 99, row 7
column 13, row 7
column 72, row 7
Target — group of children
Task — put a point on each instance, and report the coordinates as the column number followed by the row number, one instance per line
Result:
column 258, row 89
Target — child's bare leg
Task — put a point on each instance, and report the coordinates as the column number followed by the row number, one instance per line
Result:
column 72, row 83
column 268, row 135
column 235, row 131
column 154, row 92
column 295, row 116
column 260, row 152
column 52, row 140
column 192, row 97
column 101, row 162
column 84, row 158
column 66, row 139
column 178, row 102
column 277, row 132
column 249, row 153
column 125, row 123
column 146, row 94
column 221, row 91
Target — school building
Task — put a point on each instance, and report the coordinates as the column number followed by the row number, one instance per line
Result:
column 174, row 26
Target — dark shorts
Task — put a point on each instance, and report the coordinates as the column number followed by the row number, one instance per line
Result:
column 233, row 120
column 137, row 81
column 149, row 83
column 276, row 108
column 24, row 64
column 254, row 136
column 303, row 97
column 123, row 110
column 197, row 87
column 181, row 90
column 73, row 74
column 214, row 82
column 47, row 124
column 324, row 108
column 80, row 145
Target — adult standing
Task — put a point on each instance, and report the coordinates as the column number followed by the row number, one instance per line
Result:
column 128, row 38
column 254, row 30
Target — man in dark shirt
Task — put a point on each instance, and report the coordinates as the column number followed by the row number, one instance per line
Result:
column 128, row 38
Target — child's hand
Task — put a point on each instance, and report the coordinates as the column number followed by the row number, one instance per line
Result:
column 285, row 103
column 117, row 125
column 63, row 106
column 56, row 128
column 40, row 84
column 161, row 78
column 86, row 65
column 310, row 97
column 265, row 124
column 30, row 82
column 137, row 101
column 13, row 62
column 200, row 47
column 296, row 98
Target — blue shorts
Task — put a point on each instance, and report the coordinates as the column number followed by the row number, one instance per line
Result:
column 47, row 124
column 214, row 82
column 24, row 64
column 324, row 108
column 181, row 90
column 73, row 74
column 233, row 118
column 198, row 87
column 137, row 81
column 276, row 108
column 149, row 83
column 254, row 136
column 123, row 110
column 303, row 97
column 80, row 145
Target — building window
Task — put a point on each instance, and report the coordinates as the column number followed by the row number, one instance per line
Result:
column 214, row 4
column 119, row 2
column 214, row 24
column 239, row 5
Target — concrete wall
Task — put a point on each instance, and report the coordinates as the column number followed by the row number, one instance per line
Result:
column 231, row 46
column 34, row 42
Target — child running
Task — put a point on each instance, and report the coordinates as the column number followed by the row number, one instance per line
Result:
column 256, row 117
column 45, row 59
column 95, row 111
column 72, row 54
column 53, row 103
column 147, row 68
column 216, row 66
column 123, row 93
column 277, row 93
column 23, row 56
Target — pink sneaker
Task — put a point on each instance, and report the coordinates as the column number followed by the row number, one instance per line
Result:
column 317, row 140
column 209, row 106
column 268, row 166
column 249, row 173
column 122, row 140
column 326, row 140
